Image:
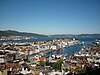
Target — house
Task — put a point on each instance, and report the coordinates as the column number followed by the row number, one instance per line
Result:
column 2, row 59
column 42, row 59
column 53, row 47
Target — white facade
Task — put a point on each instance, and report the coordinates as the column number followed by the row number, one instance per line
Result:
column 53, row 47
column 2, row 60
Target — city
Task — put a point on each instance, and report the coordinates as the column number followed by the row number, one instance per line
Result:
column 49, row 37
column 29, row 58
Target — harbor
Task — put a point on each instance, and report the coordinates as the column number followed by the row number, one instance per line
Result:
column 43, row 54
column 30, row 52
column 49, row 37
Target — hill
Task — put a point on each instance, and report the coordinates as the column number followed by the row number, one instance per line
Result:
column 78, row 35
column 8, row 33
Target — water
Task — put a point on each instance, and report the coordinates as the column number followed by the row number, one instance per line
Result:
column 69, row 51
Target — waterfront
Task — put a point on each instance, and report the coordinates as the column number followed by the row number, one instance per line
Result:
column 32, row 54
column 69, row 51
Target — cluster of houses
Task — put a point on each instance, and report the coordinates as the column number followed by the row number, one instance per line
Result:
column 23, row 57
column 87, row 57
column 15, row 38
column 86, row 61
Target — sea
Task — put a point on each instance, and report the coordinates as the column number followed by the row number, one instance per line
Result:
column 68, row 51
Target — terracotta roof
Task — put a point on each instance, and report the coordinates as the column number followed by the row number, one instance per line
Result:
column 37, row 66
column 36, row 73
column 96, row 48
column 43, row 59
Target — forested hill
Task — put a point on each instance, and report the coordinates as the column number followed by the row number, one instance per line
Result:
column 16, row 33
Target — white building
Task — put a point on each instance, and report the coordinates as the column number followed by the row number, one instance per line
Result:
column 53, row 47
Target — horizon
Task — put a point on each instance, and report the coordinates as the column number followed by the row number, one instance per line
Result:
column 50, row 17
column 50, row 34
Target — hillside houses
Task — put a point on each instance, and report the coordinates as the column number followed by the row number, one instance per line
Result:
column 14, row 54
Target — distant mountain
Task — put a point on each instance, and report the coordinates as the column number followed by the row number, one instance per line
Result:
column 16, row 33
column 90, row 35
column 78, row 36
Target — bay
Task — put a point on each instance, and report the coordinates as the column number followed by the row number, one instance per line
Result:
column 69, row 51
column 75, row 48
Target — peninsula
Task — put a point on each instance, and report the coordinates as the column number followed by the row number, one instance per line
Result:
column 15, row 35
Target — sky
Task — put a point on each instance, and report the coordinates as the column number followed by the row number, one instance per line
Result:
column 51, row 16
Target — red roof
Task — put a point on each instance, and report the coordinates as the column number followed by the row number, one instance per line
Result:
column 43, row 59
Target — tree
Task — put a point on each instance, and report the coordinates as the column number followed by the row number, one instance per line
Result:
column 60, row 38
column 42, row 63
column 57, row 65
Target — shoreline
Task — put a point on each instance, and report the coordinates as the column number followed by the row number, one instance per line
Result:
column 45, row 52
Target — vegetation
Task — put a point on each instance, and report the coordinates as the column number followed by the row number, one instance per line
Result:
column 16, row 33
column 57, row 65
column 49, row 40
column 90, row 71
column 42, row 63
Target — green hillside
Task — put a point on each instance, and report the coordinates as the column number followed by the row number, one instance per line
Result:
column 16, row 33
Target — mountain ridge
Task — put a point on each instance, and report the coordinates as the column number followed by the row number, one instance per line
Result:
column 17, row 33
column 77, row 35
